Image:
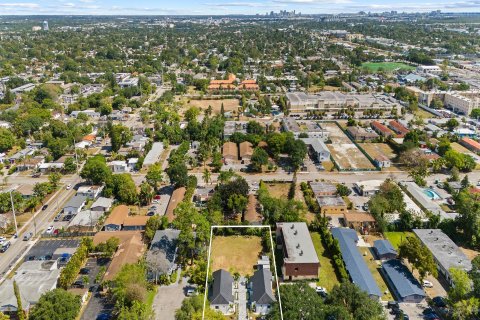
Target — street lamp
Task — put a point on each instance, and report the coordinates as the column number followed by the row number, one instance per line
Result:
column 13, row 211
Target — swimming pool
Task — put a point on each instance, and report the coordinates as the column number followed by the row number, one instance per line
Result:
column 431, row 194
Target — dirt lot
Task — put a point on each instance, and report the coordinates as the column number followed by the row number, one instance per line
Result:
column 345, row 153
column 377, row 149
column 228, row 104
column 235, row 253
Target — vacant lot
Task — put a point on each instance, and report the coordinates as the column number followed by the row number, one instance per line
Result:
column 235, row 253
column 396, row 238
column 327, row 277
column 459, row 148
column 386, row 66
column 345, row 153
column 278, row 190
column 377, row 149
column 228, row 104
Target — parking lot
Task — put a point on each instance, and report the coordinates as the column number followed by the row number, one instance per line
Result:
column 45, row 248
column 162, row 203
column 169, row 298
column 414, row 311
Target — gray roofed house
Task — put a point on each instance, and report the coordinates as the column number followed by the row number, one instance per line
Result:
column 33, row 278
column 221, row 295
column 445, row 252
column 74, row 205
column 403, row 284
column 261, row 291
column 384, row 250
column 162, row 253
column 153, row 155
column 85, row 220
column 356, row 266
column 102, row 204
column 318, row 148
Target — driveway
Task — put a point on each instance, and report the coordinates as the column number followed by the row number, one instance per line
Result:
column 97, row 304
column 242, row 299
column 169, row 298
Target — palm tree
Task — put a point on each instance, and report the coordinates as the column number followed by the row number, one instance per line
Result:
column 207, row 176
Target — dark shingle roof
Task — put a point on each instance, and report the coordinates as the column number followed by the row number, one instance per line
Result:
column 76, row 201
column 221, row 288
column 262, row 287
column 384, row 247
column 402, row 279
column 163, row 249
column 356, row 266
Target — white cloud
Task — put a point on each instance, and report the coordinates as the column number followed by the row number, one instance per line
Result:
column 27, row 5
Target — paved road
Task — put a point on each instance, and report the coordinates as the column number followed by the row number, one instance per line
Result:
column 41, row 220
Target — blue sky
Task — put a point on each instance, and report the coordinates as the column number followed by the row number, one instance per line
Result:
column 214, row 7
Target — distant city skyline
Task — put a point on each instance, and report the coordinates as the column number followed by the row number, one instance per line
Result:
column 225, row 7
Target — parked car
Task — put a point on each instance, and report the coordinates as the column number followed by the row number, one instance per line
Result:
column 157, row 197
column 84, row 271
column 57, row 217
column 104, row 316
column 49, row 230
column 45, row 207
column 68, row 217
column 190, row 292
column 321, row 291
column 428, row 310
column 150, row 213
column 78, row 284
column 27, row 236
column 36, row 175
column 5, row 246
column 393, row 305
column 69, row 186
column 431, row 316
column 3, row 239
column 402, row 316
column 427, row 284
column 439, row 302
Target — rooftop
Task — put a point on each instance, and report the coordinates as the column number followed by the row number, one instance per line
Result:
column 445, row 251
column 298, row 243
column 356, row 266
column 330, row 201
column 402, row 279
column 221, row 288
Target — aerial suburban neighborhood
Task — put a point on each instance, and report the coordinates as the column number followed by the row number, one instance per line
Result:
column 267, row 166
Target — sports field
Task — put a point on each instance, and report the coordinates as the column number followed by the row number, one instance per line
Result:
column 386, row 66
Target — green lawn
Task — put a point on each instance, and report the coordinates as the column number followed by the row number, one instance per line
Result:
column 327, row 277
column 396, row 238
column 150, row 296
column 386, row 66
column 374, row 267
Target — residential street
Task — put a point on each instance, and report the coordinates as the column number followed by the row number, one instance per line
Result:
column 41, row 221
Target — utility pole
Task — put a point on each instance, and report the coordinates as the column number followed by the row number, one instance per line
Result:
column 13, row 211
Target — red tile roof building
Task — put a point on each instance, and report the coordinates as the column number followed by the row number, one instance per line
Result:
column 398, row 128
column 470, row 144
column 381, row 129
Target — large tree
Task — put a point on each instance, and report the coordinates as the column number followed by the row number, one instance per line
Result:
column 419, row 256
column 96, row 171
column 7, row 139
column 154, row 176
column 57, row 304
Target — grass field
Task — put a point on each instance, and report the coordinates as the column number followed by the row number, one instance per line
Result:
column 396, row 238
column 424, row 113
column 228, row 104
column 386, row 66
column 327, row 277
column 377, row 149
column 235, row 253
column 278, row 190
column 374, row 268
